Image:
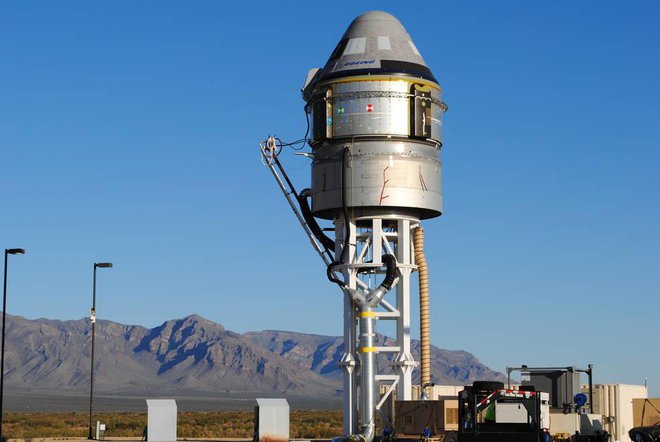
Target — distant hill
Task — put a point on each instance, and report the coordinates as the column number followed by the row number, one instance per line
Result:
column 191, row 356
column 321, row 354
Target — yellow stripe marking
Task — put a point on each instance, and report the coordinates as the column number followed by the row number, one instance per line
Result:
column 367, row 315
column 410, row 80
column 368, row 350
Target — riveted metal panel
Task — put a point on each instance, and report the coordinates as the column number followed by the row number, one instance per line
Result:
column 381, row 177
column 370, row 108
column 393, row 107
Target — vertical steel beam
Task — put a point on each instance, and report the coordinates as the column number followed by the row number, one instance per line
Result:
column 348, row 362
column 404, row 362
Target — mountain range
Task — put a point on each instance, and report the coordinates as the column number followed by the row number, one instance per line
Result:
column 192, row 356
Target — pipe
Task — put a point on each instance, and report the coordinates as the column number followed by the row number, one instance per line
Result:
column 591, row 388
column 373, row 297
column 424, row 313
column 367, row 372
column 367, row 348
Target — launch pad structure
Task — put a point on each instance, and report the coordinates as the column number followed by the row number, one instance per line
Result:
column 376, row 113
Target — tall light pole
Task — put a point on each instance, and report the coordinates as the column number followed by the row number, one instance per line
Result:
column 4, row 320
column 103, row 265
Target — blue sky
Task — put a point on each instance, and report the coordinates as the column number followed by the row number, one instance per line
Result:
column 129, row 130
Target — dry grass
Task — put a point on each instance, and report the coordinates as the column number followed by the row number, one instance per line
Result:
column 304, row 424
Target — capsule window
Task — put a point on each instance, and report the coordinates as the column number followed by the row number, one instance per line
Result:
column 355, row 46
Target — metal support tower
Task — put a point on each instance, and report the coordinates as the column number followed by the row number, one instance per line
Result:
column 368, row 239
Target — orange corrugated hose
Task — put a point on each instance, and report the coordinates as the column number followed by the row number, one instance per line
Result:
column 424, row 313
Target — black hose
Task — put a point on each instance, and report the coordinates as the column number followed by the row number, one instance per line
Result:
column 343, row 203
column 330, row 272
column 391, row 274
column 306, row 211
column 326, row 242
column 389, row 260
column 344, row 249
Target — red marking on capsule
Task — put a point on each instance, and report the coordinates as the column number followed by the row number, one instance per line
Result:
column 370, row 107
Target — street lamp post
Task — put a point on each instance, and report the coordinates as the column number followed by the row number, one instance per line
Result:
column 102, row 265
column 4, row 320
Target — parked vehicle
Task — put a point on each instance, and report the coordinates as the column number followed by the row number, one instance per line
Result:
column 645, row 434
column 489, row 412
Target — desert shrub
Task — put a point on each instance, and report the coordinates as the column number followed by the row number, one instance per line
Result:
column 227, row 424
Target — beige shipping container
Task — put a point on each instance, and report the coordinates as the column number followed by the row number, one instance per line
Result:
column 646, row 412
column 587, row 424
column 614, row 402
column 412, row 417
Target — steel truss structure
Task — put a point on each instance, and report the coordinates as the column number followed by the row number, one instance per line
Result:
column 369, row 238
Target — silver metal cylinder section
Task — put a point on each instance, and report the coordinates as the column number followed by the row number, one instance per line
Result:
column 377, row 177
column 376, row 142
column 382, row 107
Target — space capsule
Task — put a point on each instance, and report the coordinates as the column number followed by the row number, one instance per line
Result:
column 376, row 115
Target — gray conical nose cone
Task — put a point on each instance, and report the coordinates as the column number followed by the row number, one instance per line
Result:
column 376, row 43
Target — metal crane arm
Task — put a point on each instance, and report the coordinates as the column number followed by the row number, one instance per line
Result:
column 269, row 151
